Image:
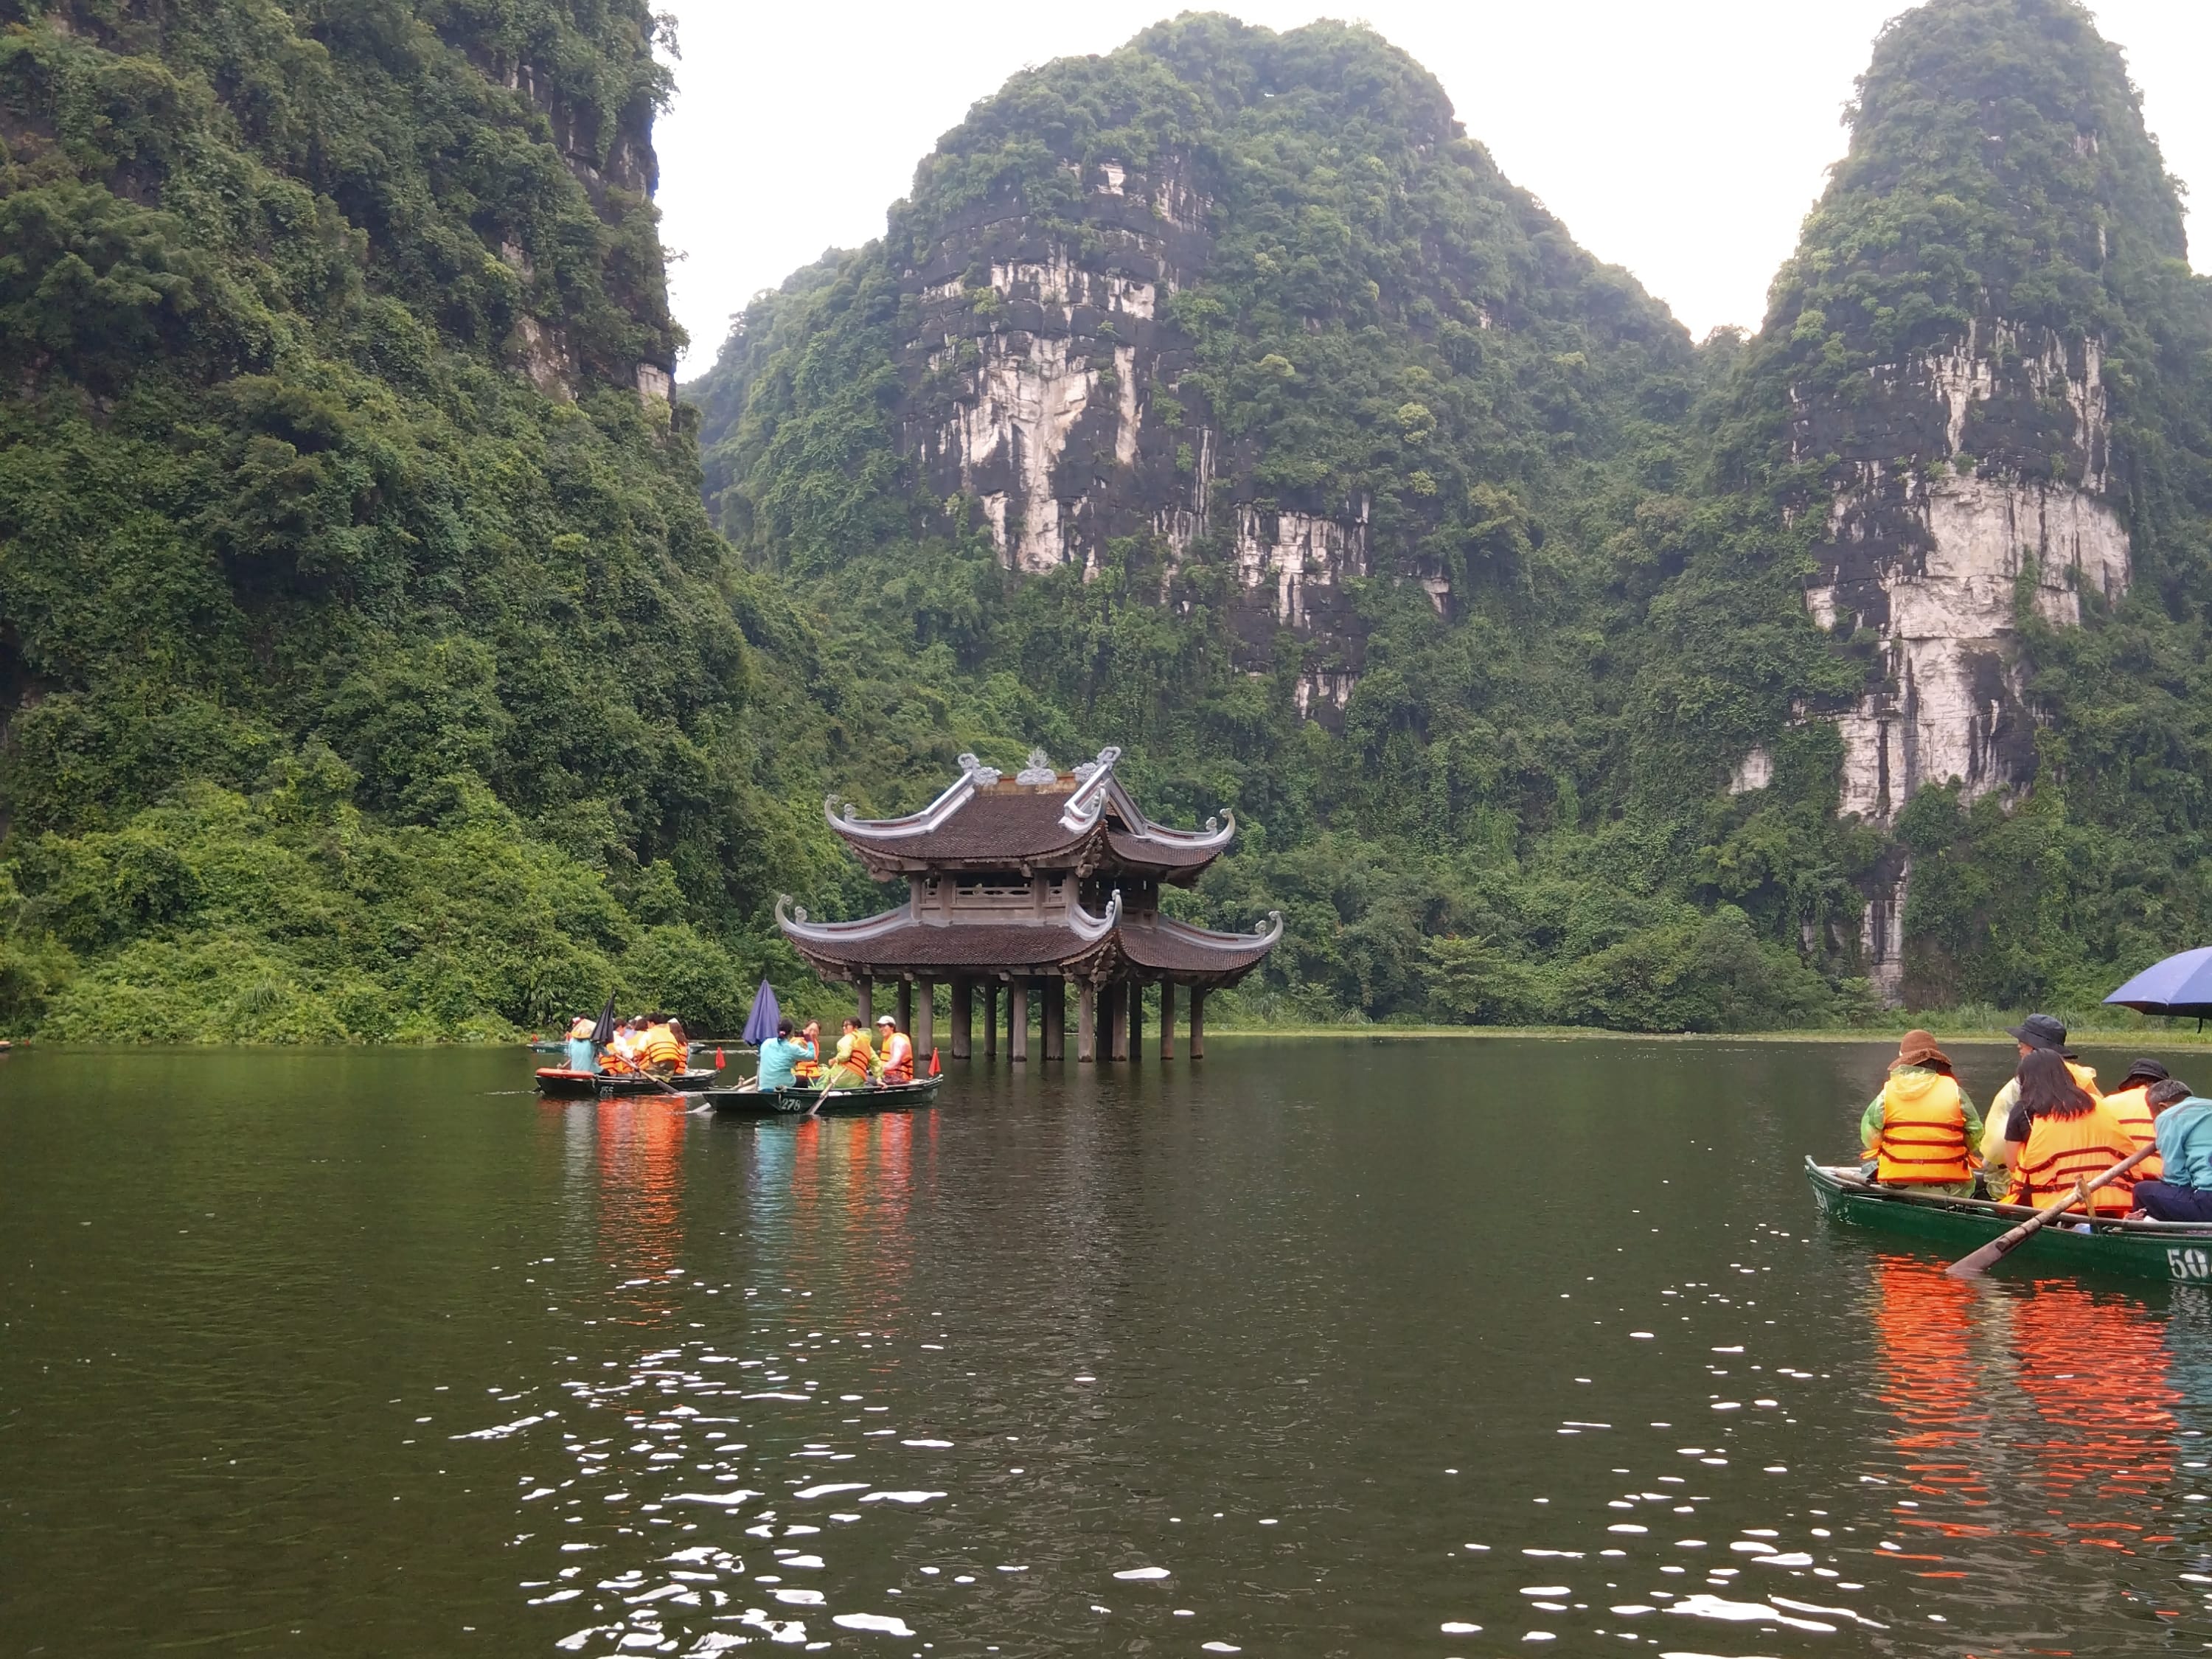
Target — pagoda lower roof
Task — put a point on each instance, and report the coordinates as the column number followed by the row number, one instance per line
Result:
column 1084, row 946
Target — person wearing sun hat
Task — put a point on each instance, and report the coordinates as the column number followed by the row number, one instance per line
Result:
column 896, row 1051
column 2037, row 1031
column 1921, row 1129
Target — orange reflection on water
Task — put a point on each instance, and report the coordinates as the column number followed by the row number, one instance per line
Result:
column 639, row 1145
column 2093, row 1371
column 1923, row 1327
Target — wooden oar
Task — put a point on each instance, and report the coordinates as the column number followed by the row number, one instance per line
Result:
column 1999, row 1248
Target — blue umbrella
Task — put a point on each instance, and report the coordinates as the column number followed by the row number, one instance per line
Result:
column 760, row 1024
column 2179, row 985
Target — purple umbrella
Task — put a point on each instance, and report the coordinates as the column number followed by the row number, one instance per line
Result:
column 760, row 1024
column 2180, row 985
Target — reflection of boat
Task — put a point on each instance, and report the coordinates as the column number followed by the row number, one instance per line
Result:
column 885, row 1097
column 548, row 1045
column 2139, row 1249
column 560, row 1080
column 762, row 1102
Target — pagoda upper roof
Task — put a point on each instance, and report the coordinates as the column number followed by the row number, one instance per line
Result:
column 1042, row 818
column 1082, row 945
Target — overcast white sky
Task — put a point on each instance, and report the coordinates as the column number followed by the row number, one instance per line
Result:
column 1684, row 139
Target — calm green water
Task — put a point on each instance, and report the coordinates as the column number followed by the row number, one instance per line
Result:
column 1316, row 1348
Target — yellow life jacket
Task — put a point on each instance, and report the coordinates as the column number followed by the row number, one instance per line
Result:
column 660, row 1047
column 2059, row 1151
column 2132, row 1108
column 1924, row 1132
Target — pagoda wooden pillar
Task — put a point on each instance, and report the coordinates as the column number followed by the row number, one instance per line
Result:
column 867, row 1001
column 963, row 1021
column 1086, row 1022
column 1136, row 1019
column 1056, row 1018
column 1167, row 1020
column 1197, row 1022
column 990, row 1019
column 1017, row 1020
column 1113, row 1016
column 925, row 1022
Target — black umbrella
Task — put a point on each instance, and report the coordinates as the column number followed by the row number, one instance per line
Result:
column 603, row 1032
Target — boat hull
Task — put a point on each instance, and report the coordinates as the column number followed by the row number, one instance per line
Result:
column 759, row 1103
column 2179, row 1252
column 560, row 1080
column 890, row 1098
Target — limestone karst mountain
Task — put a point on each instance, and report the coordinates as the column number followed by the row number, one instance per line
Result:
column 1834, row 652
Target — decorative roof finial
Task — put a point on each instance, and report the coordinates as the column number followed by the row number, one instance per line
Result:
column 1039, row 770
column 985, row 776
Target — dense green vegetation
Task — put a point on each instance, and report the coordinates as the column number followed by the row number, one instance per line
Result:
column 371, row 668
column 353, row 686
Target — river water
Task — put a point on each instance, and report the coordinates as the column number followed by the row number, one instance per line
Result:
column 1316, row 1347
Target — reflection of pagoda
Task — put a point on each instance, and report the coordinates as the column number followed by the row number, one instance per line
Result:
column 1045, row 878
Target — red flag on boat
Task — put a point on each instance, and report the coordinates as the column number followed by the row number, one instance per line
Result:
column 934, row 1068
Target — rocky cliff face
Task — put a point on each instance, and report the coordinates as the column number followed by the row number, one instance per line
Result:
column 1048, row 387
column 1249, row 302
column 1970, row 451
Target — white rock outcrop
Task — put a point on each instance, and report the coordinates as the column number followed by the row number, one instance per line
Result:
column 1931, row 548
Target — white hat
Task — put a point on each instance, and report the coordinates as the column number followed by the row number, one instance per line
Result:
column 886, row 1019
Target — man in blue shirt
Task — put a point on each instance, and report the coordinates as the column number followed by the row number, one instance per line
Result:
column 2183, row 1130
column 779, row 1055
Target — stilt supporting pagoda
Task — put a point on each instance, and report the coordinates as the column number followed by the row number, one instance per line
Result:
column 1034, row 884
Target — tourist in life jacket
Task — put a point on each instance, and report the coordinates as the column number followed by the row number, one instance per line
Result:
column 1921, row 1129
column 579, row 1028
column 855, row 1061
column 2059, row 1132
column 2130, row 1100
column 659, row 1049
column 898, row 1050
column 2182, row 1123
column 779, row 1057
column 2038, row 1032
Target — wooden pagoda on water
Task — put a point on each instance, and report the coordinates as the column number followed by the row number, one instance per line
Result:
column 1032, row 883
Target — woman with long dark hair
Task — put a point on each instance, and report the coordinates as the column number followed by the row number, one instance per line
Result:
column 2060, row 1134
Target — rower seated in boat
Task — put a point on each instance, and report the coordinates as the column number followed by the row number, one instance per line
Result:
column 1921, row 1130
column 2060, row 1134
column 898, row 1051
column 854, row 1064
column 781, row 1057
column 2038, row 1033
column 2182, row 1126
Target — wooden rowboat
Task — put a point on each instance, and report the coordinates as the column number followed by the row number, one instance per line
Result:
column 886, row 1098
column 2180, row 1251
column 560, row 1080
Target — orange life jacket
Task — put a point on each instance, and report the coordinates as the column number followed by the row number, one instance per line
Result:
column 2060, row 1151
column 1924, row 1132
column 2132, row 1108
column 898, row 1058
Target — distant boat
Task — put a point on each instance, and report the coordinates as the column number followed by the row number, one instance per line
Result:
column 2179, row 1251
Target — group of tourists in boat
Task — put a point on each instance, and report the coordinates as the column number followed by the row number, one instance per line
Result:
column 652, row 1043
column 792, row 1058
column 2050, row 1130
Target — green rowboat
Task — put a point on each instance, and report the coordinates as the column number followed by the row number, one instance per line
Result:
column 2179, row 1251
